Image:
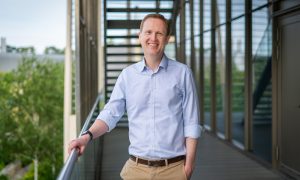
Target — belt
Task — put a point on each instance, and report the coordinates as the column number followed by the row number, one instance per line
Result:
column 157, row 163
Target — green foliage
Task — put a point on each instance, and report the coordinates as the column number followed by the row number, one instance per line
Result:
column 30, row 174
column 53, row 50
column 31, row 114
column 2, row 177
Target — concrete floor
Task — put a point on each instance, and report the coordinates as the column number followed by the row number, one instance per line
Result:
column 216, row 160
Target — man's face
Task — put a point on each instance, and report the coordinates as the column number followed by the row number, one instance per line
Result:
column 153, row 37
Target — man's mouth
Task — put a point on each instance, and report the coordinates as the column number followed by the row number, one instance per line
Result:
column 152, row 44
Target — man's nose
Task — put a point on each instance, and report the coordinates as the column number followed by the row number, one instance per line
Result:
column 153, row 36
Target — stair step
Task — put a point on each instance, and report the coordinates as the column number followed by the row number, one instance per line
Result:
column 110, row 84
column 263, row 122
column 264, row 106
column 125, row 54
column 120, row 62
column 123, row 37
column 123, row 24
column 114, row 70
column 138, row 10
column 123, row 45
column 112, row 77
column 259, row 117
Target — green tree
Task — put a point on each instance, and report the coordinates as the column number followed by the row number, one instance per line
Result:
column 53, row 50
column 32, row 113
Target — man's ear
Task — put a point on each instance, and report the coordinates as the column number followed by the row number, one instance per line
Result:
column 139, row 36
column 167, row 39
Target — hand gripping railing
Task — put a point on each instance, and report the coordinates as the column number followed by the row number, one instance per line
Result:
column 67, row 169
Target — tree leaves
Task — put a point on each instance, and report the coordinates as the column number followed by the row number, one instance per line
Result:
column 31, row 113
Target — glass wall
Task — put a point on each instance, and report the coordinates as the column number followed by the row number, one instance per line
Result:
column 237, row 8
column 261, row 40
column 197, row 41
column 188, row 34
column 220, row 77
column 207, row 77
column 207, row 60
column 221, row 12
column 238, row 79
column 220, row 65
column 262, row 89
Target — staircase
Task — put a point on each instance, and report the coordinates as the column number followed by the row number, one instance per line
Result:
column 262, row 98
column 121, row 45
column 262, row 69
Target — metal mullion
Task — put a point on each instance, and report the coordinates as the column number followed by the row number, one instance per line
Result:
column 88, row 54
column 77, row 59
column 228, row 75
column 182, row 33
column 276, row 101
column 201, row 56
column 248, row 76
column 213, row 67
column 105, row 50
column 192, row 36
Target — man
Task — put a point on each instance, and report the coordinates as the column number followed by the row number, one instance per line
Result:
column 160, row 97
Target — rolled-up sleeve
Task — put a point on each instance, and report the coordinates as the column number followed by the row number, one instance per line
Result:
column 115, row 108
column 191, row 113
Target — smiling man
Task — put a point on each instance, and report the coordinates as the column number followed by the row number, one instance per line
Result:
column 160, row 98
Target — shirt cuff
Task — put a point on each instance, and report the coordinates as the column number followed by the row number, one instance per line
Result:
column 107, row 118
column 192, row 131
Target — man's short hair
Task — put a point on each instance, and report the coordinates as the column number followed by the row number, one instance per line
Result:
column 157, row 16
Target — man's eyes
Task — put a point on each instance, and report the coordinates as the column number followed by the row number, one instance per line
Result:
column 158, row 34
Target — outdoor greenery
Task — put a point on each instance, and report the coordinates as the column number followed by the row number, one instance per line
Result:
column 31, row 117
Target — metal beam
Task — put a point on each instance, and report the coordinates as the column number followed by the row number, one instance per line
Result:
column 248, row 76
column 213, row 68
column 228, row 75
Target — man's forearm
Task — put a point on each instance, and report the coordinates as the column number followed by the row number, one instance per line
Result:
column 191, row 146
column 98, row 128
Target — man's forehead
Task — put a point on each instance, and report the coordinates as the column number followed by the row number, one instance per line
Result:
column 148, row 22
column 153, row 18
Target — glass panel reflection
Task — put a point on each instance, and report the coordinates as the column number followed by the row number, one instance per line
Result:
column 187, row 35
column 187, row 21
column 238, row 77
column 221, row 12
column 237, row 8
column 207, row 15
column 196, row 17
column 262, row 88
column 207, row 77
column 220, row 77
column 188, row 52
column 257, row 3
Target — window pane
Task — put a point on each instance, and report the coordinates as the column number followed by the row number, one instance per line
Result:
column 221, row 12
column 257, row 3
column 207, row 15
column 238, row 79
column 262, row 88
column 207, row 77
column 237, row 8
column 196, row 17
column 220, row 77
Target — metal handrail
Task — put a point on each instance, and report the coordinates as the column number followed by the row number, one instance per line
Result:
column 67, row 169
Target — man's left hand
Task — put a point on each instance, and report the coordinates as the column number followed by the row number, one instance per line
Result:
column 188, row 171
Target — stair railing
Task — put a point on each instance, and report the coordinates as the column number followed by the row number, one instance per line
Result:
column 66, row 172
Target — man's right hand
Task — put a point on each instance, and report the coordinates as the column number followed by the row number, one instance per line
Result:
column 79, row 143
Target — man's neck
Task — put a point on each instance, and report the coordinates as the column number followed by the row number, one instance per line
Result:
column 153, row 61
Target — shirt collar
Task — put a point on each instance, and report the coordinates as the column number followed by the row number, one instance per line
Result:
column 163, row 64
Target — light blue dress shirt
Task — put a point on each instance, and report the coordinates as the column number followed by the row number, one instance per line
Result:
column 162, row 108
